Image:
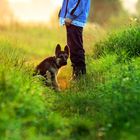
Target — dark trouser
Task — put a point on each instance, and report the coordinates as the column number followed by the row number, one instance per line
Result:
column 75, row 43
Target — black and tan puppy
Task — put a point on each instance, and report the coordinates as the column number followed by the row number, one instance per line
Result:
column 49, row 67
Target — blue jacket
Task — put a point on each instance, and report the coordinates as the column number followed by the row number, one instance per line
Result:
column 77, row 10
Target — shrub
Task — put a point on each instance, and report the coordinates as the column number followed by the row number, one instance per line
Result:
column 125, row 43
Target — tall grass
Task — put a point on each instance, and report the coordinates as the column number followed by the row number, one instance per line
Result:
column 104, row 105
column 126, row 42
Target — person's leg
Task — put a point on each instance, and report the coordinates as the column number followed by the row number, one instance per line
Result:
column 77, row 52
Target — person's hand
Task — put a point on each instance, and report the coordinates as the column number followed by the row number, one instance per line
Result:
column 68, row 21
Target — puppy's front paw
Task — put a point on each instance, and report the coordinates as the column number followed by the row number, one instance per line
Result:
column 56, row 88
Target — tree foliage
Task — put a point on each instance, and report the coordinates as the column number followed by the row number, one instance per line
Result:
column 102, row 10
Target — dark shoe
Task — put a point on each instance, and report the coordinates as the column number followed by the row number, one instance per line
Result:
column 78, row 72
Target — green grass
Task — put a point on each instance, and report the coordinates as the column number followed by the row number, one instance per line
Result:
column 125, row 43
column 104, row 105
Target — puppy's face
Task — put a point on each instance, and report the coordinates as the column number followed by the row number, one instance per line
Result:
column 61, row 56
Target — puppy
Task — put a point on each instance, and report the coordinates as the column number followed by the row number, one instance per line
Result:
column 49, row 67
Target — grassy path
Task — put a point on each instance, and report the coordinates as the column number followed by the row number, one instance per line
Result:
column 103, row 106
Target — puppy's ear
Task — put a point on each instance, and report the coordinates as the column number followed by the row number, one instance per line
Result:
column 66, row 49
column 57, row 49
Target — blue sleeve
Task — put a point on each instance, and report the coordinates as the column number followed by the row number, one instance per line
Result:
column 76, row 9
